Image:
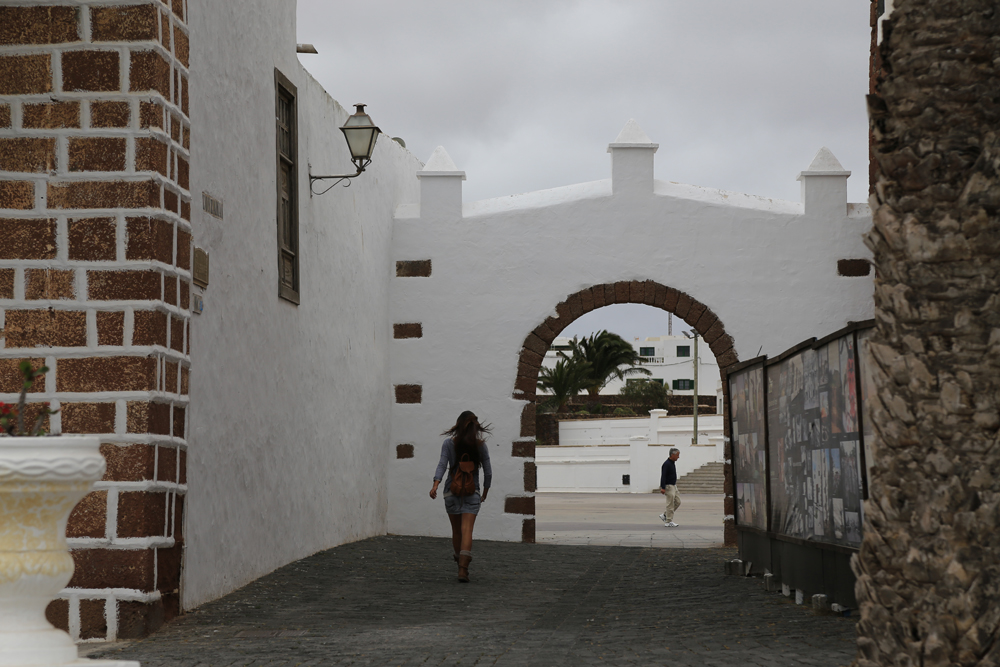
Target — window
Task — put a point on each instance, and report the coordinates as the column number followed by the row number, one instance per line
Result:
column 647, row 351
column 658, row 381
column 683, row 385
column 287, row 173
column 560, row 347
column 683, row 350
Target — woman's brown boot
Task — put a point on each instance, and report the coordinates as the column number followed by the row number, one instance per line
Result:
column 464, row 558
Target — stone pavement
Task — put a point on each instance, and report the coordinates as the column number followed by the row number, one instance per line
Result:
column 395, row 601
column 627, row 520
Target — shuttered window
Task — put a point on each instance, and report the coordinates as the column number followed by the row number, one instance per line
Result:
column 287, row 177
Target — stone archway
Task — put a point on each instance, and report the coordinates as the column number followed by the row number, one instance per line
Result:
column 647, row 292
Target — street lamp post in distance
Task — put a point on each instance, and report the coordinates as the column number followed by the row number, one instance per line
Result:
column 694, row 399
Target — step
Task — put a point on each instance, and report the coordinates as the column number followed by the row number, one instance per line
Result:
column 709, row 478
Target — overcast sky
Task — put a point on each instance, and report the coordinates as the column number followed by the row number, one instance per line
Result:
column 526, row 95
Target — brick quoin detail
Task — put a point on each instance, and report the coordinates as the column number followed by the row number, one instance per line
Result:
column 413, row 269
column 519, row 505
column 853, row 268
column 525, row 449
column 96, row 278
column 528, row 531
column 412, row 330
column 409, row 393
column 648, row 292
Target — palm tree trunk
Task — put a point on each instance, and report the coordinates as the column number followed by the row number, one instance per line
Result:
column 929, row 565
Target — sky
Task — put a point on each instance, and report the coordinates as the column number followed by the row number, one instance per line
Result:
column 526, row 95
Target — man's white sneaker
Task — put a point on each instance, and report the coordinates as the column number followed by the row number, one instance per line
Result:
column 671, row 524
column 663, row 518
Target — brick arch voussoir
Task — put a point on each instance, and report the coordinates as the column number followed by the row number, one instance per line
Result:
column 647, row 292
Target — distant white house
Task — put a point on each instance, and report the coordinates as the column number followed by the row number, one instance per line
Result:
column 669, row 359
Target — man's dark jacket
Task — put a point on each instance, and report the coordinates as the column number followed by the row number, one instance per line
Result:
column 668, row 474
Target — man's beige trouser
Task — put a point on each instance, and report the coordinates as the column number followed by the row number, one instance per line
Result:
column 673, row 501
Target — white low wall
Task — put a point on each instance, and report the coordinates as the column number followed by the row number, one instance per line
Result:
column 603, row 431
column 594, row 454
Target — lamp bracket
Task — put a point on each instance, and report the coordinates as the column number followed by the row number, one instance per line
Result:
column 339, row 178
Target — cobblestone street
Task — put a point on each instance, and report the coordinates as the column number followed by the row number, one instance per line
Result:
column 395, row 601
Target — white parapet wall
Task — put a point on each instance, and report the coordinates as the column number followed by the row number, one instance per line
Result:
column 615, row 431
column 593, row 455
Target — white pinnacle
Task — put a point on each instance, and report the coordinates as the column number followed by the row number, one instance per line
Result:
column 632, row 134
column 440, row 161
column 825, row 161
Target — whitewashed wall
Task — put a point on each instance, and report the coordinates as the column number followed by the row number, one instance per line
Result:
column 593, row 454
column 767, row 268
column 289, row 421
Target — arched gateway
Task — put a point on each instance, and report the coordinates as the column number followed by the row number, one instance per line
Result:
column 480, row 291
column 647, row 292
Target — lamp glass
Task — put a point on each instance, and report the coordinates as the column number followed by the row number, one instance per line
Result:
column 360, row 140
column 361, row 134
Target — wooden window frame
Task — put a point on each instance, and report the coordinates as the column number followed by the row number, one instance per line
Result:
column 285, row 88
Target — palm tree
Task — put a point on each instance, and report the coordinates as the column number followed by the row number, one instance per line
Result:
column 929, row 563
column 564, row 381
column 610, row 356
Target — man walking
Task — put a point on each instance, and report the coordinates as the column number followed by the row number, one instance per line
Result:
column 668, row 487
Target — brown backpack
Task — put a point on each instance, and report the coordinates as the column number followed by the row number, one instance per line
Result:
column 463, row 481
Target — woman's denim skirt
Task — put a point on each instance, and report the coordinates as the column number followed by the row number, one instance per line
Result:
column 462, row 504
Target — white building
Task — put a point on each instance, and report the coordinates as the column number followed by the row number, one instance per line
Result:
column 669, row 359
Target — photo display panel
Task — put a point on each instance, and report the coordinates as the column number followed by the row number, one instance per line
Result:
column 746, row 392
column 815, row 445
column 866, row 388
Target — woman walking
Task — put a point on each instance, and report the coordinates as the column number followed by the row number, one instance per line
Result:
column 463, row 454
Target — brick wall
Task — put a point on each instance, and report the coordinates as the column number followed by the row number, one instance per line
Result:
column 95, row 253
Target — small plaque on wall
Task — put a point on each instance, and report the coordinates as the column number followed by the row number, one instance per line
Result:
column 200, row 276
column 211, row 205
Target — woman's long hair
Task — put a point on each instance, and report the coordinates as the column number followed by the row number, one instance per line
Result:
column 467, row 434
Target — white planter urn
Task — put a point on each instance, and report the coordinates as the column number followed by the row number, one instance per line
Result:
column 41, row 480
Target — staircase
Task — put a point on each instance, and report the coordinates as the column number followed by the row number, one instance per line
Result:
column 709, row 478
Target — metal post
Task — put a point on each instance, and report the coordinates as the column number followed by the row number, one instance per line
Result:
column 694, row 402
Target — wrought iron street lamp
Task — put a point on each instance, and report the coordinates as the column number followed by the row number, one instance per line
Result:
column 694, row 440
column 361, row 135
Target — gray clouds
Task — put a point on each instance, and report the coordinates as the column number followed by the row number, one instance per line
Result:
column 526, row 95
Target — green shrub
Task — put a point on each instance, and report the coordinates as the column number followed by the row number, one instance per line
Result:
column 646, row 395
